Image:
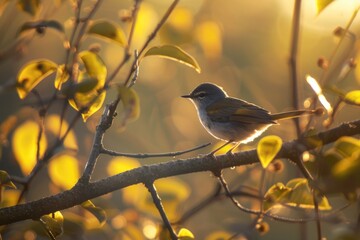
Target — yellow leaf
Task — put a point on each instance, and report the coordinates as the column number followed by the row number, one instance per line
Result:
column 174, row 53
column 53, row 223
column 209, row 36
column 5, row 180
column 172, row 192
column 267, row 149
column 95, row 66
column 353, row 97
column 53, row 124
column 108, row 30
column 121, row 164
column 321, row 5
column 61, row 77
column 99, row 213
column 219, row 235
column 132, row 194
column 64, row 171
column 91, row 101
column 131, row 103
column 31, row 75
column 185, row 234
column 146, row 21
column 25, row 145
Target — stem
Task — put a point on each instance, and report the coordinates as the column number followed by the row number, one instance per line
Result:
column 293, row 61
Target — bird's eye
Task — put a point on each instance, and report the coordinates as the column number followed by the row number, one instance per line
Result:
column 201, row 95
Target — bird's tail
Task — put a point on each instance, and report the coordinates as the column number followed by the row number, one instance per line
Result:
column 296, row 113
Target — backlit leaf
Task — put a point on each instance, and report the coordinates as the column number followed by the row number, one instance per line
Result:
column 353, row 97
column 267, row 149
column 53, row 124
column 64, row 171
column 31, row 75
column 219, row 235
column 108, row 30
column 61, row 76
column 25, row 145
column 174, row 53
column 185, row 234
column 95, row 66
column 41, row 26
column 53, row 223
column 99, row 213
column 131, row 104
column 322, row 4
column 5, row 180
column 296, row 193
column 29, row 6
column 91, row 101
column 346, row 146
column 208, row 34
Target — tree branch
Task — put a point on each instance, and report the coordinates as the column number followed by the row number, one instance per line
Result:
column 84, row 191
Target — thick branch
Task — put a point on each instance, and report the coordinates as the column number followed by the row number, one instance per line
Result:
column 83, row 191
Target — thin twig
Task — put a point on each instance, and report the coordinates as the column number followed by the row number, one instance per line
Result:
column 157, row 201
column 317, row 215
column 293, row 61
column 151, row 37
column 151, row 155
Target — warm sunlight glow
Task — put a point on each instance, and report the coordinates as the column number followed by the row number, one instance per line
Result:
column 150, row 230
column 317, row 89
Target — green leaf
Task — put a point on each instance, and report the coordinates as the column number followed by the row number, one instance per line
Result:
column 94, row 66
column 90, row 101
column 346, row 146
column 108, row 30
column 40, row 26
column 53, row 223
column 99, row 213
column 185, row 234
column 174, row 53
column 29, row 6
column 5, row 180
column 32, row 74
column 131, row 104
column 321, row 5
column 296, row 193
column 353, row 97
column 267, row 149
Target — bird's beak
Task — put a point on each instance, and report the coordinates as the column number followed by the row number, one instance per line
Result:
column 186, row 96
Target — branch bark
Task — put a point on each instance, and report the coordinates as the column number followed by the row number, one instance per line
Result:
column 83, row 191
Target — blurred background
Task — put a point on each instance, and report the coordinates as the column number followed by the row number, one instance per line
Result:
column 244, row 46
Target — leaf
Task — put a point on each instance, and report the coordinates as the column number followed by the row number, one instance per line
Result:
column 53, row 124
column 40, row 26
column 296, row 193
column 267, row 149
column 94, row 65
column 108, row 30
column 91, row 101
column 61, row 76
column 353, row 97
column 346, row 146
column 64, row 171
column 99, row 213
column 32, row 74
column 185, row 234
column 5, row 180
column 29, row 6
column 174, row 53
column 131, row 104
column 53, row 223
column 25, row 145
column 321, row 5
column 219, row 235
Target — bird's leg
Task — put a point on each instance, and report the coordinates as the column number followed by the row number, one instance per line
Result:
column 230, row 153
column 219, row 148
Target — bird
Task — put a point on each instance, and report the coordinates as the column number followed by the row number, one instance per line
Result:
column 234, row 120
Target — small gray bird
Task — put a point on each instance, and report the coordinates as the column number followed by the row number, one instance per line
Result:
column 234, row 120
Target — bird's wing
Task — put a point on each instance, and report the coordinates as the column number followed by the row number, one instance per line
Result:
column 236, row 110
